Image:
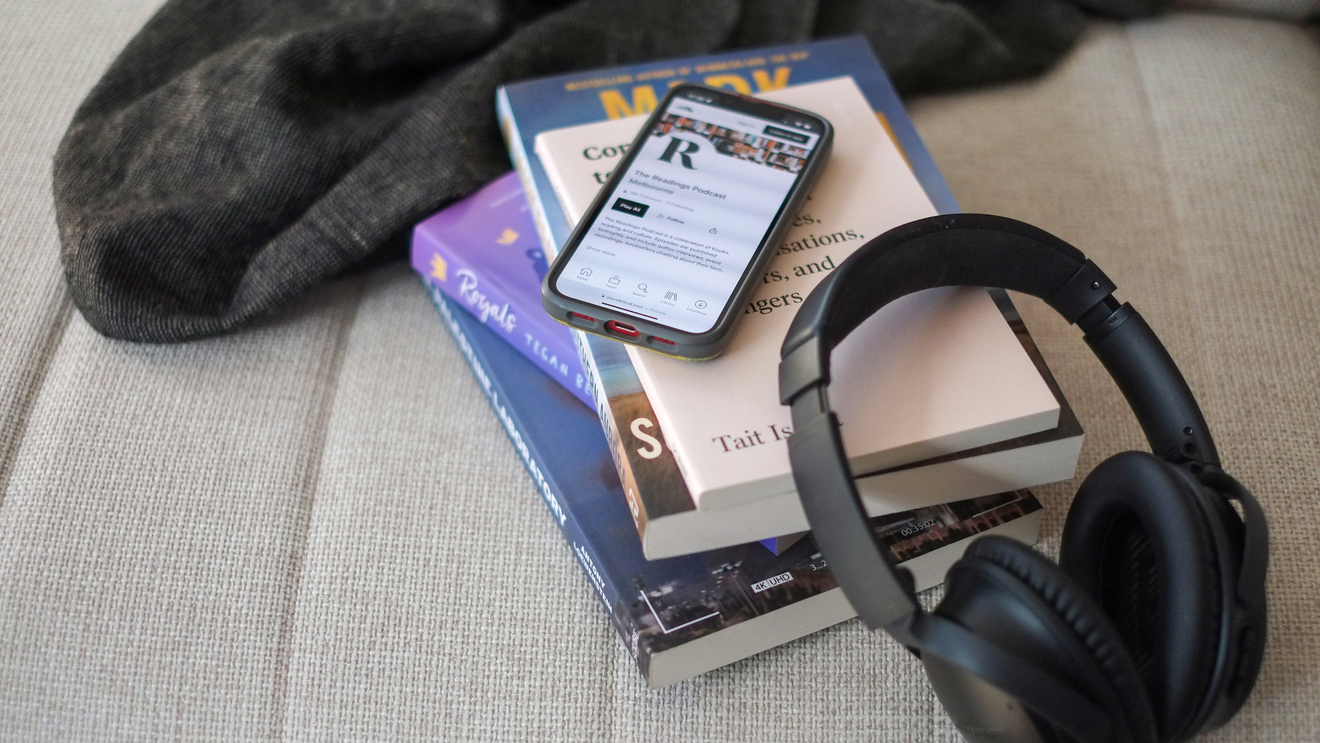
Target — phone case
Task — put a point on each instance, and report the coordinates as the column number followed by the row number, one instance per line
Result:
column 662, row 338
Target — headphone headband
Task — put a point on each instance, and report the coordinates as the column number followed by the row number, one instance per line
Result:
column 946, row 250
column 958, row 250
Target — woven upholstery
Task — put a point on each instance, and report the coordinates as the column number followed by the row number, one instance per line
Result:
column 1293, row 10
column 316, row 529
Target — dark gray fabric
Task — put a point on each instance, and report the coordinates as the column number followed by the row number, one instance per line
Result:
column 239, row 152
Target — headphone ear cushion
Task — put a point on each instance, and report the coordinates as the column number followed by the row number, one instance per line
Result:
column 1138, row 541
column 1008, row 594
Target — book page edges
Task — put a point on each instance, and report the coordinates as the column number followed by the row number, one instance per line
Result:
column 809, row 615
column 885, row 493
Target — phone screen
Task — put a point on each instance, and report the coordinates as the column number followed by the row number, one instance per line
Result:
column 676, row 234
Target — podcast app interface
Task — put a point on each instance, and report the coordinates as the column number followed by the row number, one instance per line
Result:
column 676, row 234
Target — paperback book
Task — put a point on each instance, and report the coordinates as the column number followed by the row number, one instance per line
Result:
column 684, row 616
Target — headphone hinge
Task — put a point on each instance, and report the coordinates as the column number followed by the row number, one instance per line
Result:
column 1086, row 289
column 1103, row 319
column 810, row 404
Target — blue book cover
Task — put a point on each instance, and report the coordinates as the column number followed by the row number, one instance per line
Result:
column 484, row 253
column 530, row 107
column 683, row 616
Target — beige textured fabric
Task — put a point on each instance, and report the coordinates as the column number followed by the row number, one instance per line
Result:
column 45, row 74
column 315, row 529
column 1292, row 10
column 153, row 527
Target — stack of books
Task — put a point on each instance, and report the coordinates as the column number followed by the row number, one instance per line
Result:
column 665, row 474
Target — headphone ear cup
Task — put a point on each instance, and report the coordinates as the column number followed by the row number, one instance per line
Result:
column 1010, row 595
column 1137, row 540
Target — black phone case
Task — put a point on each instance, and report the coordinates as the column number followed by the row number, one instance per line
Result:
column 694, row 346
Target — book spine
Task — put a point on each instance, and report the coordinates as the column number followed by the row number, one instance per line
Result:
column 518, row 155
column 617, row 450
column 501, row 311
column 653, row 483
column 557, row 185
column 604, row 590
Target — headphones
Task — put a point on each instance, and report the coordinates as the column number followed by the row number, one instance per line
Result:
column 1152, row 626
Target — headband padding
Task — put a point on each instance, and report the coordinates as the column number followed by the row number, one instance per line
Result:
column 1031, row 607
column 947, row 250
column 1139, row 542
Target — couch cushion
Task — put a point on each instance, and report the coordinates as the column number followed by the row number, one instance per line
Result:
column 1287, row 10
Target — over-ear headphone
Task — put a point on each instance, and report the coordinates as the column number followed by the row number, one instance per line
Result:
column 1152, row 626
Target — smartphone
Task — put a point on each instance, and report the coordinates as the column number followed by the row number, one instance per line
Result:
column 678, row 237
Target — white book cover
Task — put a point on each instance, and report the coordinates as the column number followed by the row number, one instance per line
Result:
column 934, row 373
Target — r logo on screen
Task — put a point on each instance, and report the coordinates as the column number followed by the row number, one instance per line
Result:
column 689, row 148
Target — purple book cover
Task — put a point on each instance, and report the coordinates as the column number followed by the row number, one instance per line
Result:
column 483, row 252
